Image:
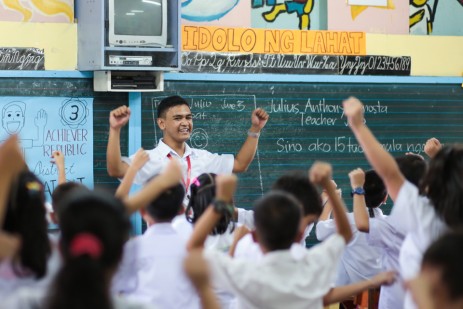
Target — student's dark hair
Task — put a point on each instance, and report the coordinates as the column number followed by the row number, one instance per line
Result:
column 169, row 102
column 412, row 167
column 168, row 204
column 202, row 194
column 375, row 191
column 94, row 228
column 298, row 184
column 277, row 217
column 447, row 253
column 443, row 183
column 26, row 216
column 63, row 190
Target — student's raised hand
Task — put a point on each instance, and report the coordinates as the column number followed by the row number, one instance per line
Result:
column 259, row 118
column 384, row 278
column 140, row 158
column 353, row 109
column 321, row 173
column 225, row 187
column 58, row 159
column 119, row 117
column 172, row 174
column 432, row 147
column 11, row 159
column 357, row 178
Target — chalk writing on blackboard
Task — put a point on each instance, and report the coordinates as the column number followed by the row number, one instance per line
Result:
column 22, row 59
column 196, row 62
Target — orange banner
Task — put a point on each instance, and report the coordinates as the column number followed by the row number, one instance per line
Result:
column 272, row 41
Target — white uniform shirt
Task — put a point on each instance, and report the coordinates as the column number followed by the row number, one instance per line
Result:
column 152, row 269
column 29, row 298
column 388, row 239
column 202, row 161
column 281, row 279
column 360, row 261
column 247, row 249
column 414, row 216
column 10, row 281
column 220, row 243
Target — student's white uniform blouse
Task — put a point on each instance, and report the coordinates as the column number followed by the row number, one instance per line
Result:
column 152, row 270
column 247, row 249
column 383, row 235
column 414, row 216
column 280, row 279
column 360, row 261
column 202, row 161
column 28, row 298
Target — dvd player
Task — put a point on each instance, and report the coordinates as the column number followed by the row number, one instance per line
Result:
column 130, row 60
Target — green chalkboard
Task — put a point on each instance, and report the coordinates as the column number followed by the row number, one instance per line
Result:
column 103, row 103
column 307, row 123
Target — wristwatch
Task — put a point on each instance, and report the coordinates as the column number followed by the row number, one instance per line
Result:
column 223, row 207
column 358, row 190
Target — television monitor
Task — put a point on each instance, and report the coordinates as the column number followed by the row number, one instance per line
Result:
column 137, row 23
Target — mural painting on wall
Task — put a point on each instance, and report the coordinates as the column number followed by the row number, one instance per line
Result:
column 301, row 8
column 390, row 19
column 437, row 18
column 48, row 124
column 422, row 16
column 228, row 13
column 53, row 11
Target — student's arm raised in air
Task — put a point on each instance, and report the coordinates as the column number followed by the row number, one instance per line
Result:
column 320, row 174
column 432, row 147
column 340, row 293
column 58, row 160
column 225, row 188
column 171, row 176
column 247, row 152
column 11, row 163
column 140, row 158
column 361, row 218
column 327, row 208
column 114, row 164
column 197, row 270
column 382, row 162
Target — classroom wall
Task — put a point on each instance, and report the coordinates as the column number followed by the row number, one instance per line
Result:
column 58, row 40
column 434, row 55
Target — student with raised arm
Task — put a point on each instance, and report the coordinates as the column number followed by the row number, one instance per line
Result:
column 280, row 280
column 423, row 213
column 176, row 122
column 152, row 267
column 139, row 159
column 432, row 147
column 359, row 261
column 58, row 159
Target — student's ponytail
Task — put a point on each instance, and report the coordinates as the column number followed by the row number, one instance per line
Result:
column 94, row 228
column 371, row 212
column 81, row 283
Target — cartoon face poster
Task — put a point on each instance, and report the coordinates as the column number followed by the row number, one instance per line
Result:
column 48, row 124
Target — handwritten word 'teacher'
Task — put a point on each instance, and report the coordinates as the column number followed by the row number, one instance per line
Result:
column 271, row 41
